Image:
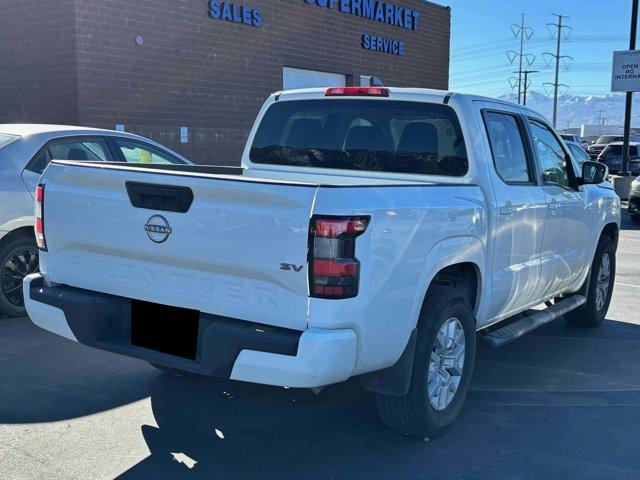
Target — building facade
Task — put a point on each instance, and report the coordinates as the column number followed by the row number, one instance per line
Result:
column 192, row 74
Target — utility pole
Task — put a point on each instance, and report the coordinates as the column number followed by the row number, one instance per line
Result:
column 526, row 83
column 524, row 33
column 556, row 85
column 629, row 104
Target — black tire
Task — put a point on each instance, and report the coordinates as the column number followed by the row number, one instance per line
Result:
column 413, row 414
column 589, row 315
column 635, row 219
column 18, row 258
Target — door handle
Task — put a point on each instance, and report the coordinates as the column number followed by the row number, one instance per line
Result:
column 553, row 206
column 507, row 210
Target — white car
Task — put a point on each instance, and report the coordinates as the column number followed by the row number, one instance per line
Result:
column 25, row 151
column 371, row 232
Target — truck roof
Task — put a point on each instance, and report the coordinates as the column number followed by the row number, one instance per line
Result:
column 429, row 94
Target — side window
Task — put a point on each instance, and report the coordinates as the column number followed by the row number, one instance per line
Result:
column 551, row 155
column 139, row 152
column 507, row 147
column 580, row 155
column 40, row 162
column 82, row 149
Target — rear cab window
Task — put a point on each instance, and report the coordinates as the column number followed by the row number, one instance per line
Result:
column 365, row 135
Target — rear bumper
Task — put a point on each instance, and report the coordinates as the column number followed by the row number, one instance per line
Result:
column 226, row 348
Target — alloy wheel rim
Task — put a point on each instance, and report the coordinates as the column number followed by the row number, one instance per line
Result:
column 19, row 264
column 446, row 364
column 604, row 281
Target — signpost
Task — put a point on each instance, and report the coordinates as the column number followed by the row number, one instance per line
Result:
column 626, row 78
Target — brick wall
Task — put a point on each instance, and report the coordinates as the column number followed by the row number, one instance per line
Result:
column 212, row 76
column 37, row 62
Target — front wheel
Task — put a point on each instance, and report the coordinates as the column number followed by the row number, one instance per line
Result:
column 600, row 290
column 442, row 369
column 18, row 258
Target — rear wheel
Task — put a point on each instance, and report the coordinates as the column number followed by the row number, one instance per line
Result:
column 601, row 280
column 442, row 369
column 18, row 258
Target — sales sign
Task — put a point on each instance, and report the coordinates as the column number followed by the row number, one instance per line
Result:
column 626, row 71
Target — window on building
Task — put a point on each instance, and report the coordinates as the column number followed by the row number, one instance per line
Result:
column 293, row 78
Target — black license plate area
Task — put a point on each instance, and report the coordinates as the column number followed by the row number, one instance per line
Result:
column 165, row 329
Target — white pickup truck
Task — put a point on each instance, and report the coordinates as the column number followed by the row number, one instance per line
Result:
column 370, row 232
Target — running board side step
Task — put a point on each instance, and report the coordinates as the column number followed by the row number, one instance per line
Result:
column 517, row 329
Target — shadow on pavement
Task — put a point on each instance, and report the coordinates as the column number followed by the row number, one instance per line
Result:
column 560, row 403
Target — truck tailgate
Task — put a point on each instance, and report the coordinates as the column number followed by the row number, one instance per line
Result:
column 223, row 256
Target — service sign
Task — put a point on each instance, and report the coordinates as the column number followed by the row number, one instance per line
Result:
column 626, row 71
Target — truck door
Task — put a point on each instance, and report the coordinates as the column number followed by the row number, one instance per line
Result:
column 518, row 212
column 567, row 231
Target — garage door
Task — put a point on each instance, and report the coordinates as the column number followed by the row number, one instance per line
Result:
column 299, row 78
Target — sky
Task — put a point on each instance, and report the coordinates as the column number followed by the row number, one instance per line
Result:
column 481, row 36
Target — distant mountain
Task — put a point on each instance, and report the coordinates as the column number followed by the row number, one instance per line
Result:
column 579, row 110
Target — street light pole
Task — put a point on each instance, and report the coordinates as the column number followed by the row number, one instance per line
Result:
column 629, row 104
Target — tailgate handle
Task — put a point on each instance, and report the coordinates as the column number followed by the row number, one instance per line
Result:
column 164, row 198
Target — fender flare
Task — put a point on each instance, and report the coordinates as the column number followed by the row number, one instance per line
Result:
column 396, row 379
column 448, row 252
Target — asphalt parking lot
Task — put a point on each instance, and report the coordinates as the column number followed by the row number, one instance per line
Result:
column 559, row 403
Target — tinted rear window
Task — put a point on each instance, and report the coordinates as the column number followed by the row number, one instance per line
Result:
column 369, row 135
column 608, row 139
column 617, row 150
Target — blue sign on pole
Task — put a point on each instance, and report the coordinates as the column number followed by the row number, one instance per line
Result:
column 233, row 12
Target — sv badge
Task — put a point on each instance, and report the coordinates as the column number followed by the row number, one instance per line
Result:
column 290, row 267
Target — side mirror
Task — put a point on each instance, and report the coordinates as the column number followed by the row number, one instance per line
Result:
column 594, row 173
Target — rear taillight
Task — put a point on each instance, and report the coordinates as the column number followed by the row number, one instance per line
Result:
column 357, row 92
column 334, row 270
column 39, row 217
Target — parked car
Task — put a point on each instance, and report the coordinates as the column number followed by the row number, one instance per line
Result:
column 596, row 148
column 611, row 156
column 25, row 151
column 568, row 137
column 371, row 232
column 634, row 201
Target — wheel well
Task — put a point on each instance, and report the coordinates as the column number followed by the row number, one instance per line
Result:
column 462, row 276
column 612, row 231
column 18, row 232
